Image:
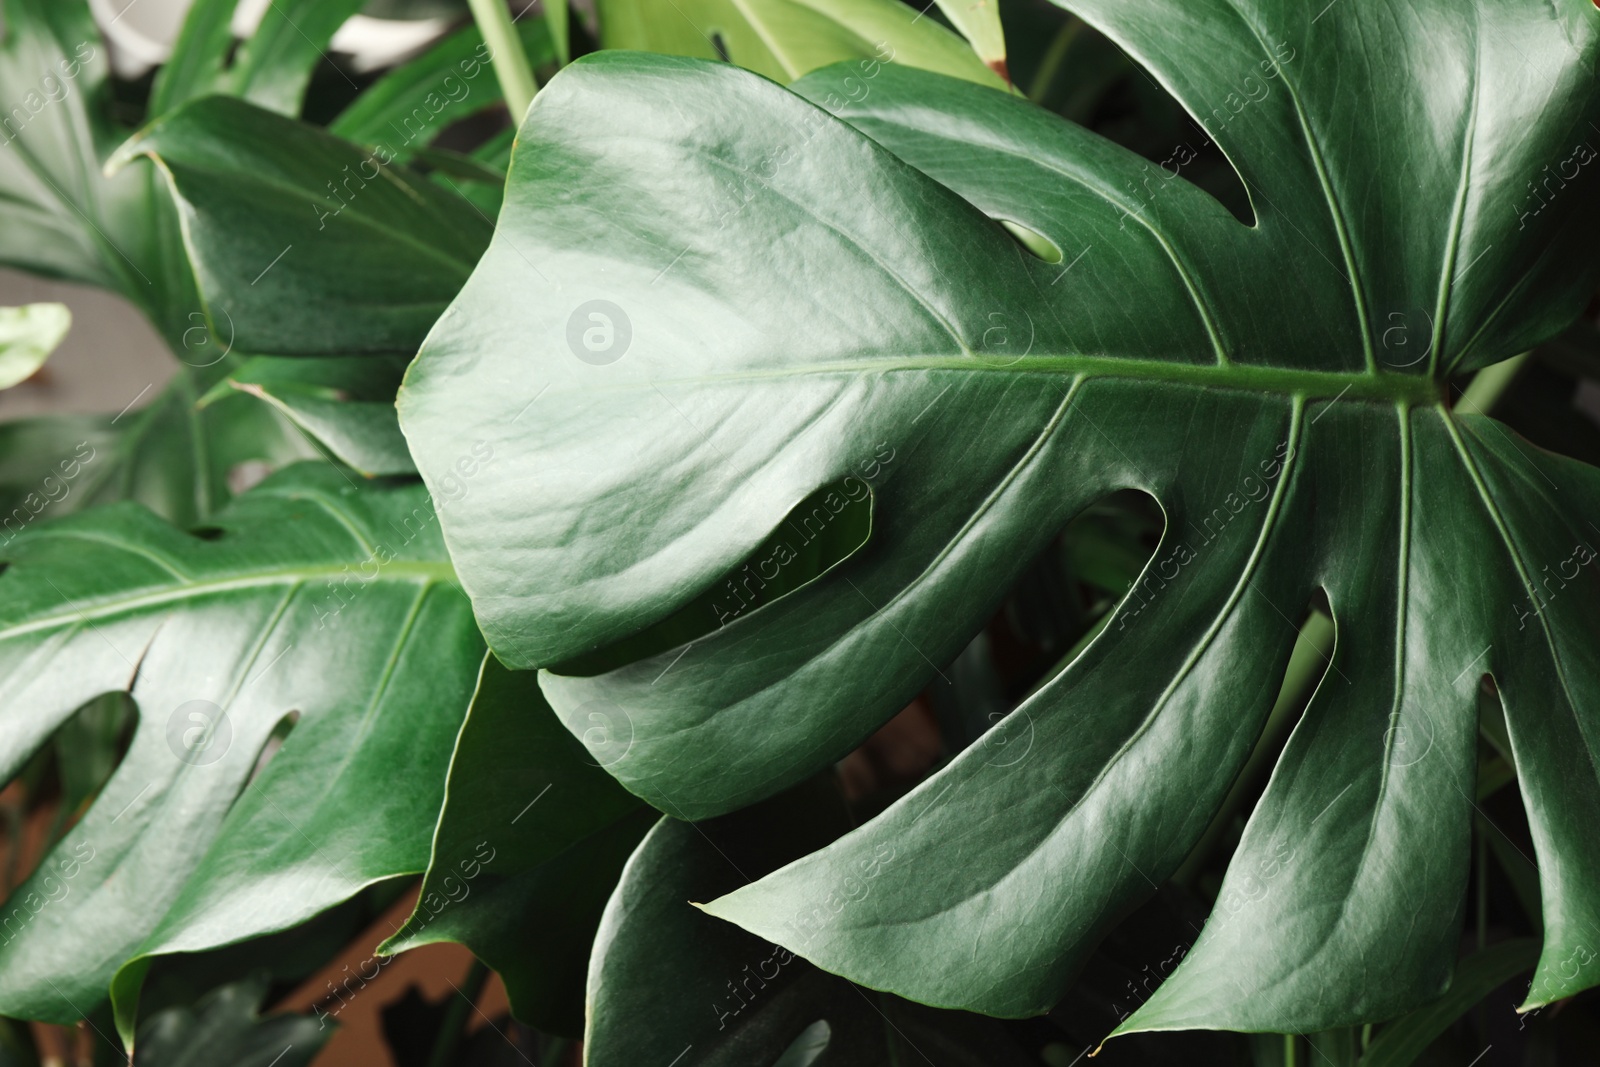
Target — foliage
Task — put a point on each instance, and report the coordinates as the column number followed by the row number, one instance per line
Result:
column 1247, row 391
column 804, row 554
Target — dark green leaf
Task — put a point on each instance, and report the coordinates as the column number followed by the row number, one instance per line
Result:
column 224, row 1028
column 275, row 65
column 280, row 215
column 310, row 597
column 530, row 843
column 734, row 999
column 756, row 299
column 407, row 108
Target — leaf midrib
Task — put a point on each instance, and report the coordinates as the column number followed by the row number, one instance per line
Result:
column 1282, row 381
column 395, row 572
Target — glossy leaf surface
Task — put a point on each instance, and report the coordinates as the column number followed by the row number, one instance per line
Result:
column 309, row 597
column 759, row 297
column 379, row 252
column 735, row 999
column 531, row 840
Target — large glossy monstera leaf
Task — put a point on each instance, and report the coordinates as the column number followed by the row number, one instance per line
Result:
column 709, row 298
column 310, row 601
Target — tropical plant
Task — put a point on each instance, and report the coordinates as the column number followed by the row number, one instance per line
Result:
column 870, row 566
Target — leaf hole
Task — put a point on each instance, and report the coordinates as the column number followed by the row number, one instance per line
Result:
column 273, row 744
column 1505, row 883
column 71, row 768
column 207, row 533
column 1136, row 112
column 1050, row 614
column 819, row 533
column 1305, row 671
column 1035, row 242
column 59, row 783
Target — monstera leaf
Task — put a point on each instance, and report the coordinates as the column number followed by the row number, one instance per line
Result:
column 308, row 600
column 770, row 292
